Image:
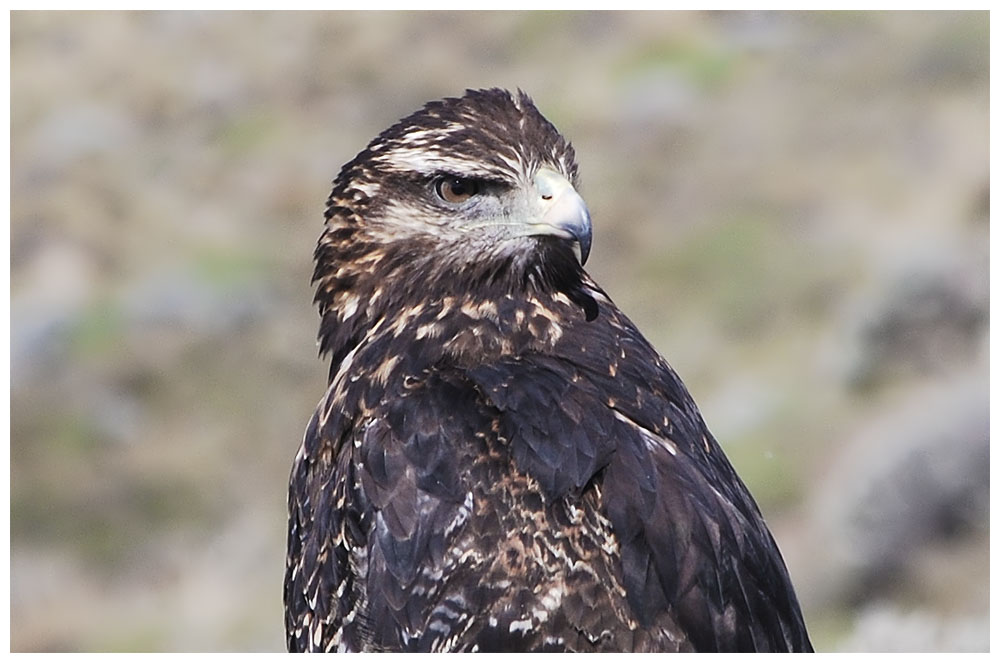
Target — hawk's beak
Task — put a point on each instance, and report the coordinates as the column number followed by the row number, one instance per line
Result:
column 564, row 213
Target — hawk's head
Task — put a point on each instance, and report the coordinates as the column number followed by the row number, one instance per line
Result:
column 470, row 193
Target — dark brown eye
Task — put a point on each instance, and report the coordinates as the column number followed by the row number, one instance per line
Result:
column 453, row 189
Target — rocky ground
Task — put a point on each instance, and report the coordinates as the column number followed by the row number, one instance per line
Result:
column 794, row 207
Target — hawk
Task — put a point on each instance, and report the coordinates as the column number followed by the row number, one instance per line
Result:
column 501, row 461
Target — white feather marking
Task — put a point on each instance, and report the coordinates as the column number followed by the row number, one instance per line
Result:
column 520, row 625
column 553, row 598
column 428, row 329
column 652, row 440
column 350, row 306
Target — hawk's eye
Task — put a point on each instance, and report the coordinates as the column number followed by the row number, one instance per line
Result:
column 453, row 189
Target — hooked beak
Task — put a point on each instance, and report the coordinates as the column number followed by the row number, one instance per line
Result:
column 564, row 214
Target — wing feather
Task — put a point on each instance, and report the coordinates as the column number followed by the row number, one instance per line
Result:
column 604, row 406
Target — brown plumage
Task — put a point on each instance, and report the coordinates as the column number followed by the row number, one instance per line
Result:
column 501, row 461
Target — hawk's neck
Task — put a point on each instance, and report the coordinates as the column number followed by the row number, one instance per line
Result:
column 408, row 296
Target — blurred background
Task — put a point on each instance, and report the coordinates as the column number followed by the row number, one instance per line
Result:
column 793, row 207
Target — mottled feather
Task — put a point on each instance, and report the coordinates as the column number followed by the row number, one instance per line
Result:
column 501, row 461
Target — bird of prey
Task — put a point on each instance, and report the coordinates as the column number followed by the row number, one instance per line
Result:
column 501, row 461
